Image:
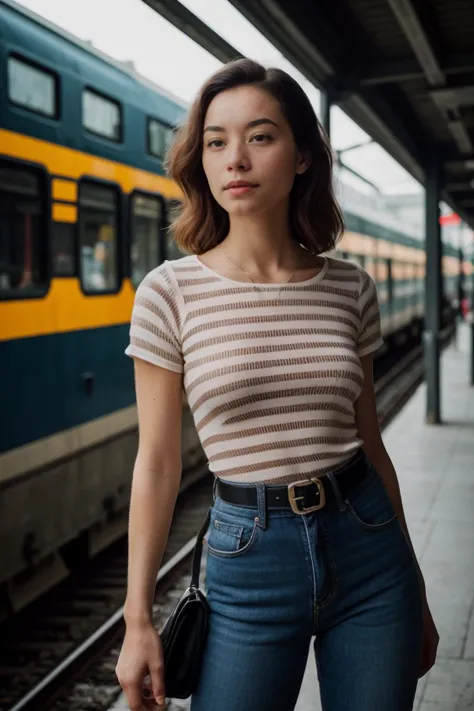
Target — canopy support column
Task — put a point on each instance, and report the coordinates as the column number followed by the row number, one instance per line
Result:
column 433, row 291
column 326, row 112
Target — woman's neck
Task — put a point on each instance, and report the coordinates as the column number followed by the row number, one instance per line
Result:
column 262, row 244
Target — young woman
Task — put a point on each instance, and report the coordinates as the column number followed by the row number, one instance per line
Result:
column 273, row 344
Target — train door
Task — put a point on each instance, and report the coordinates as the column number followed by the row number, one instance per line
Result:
column 172, row 250
column 146, row 227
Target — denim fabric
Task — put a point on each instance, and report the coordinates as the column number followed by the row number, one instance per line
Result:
column 344, row 574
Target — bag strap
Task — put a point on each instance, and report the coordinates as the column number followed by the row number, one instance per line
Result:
column 196, row 569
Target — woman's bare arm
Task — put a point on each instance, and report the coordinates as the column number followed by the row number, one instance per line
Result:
column 369, row 431
column 156, row 479
column 155, row 485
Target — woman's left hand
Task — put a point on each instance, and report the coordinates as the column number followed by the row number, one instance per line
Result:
column 430, row 641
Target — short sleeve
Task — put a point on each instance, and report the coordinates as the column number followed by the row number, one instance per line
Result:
column 155, row 323
column 370, row 335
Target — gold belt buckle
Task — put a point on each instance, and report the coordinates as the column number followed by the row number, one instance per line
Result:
column 294, row 499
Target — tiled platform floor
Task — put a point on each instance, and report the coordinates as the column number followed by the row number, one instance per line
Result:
column 435, row 466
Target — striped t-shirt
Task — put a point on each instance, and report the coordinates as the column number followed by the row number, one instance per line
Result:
column 271, row 373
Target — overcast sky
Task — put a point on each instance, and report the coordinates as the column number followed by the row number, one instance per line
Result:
column 130, row 30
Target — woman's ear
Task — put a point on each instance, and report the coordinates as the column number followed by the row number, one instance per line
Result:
column 303, row 163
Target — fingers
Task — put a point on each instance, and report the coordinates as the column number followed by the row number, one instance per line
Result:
column 149, row 700
column 133, row 692
column 157, row 682
column 142, row 697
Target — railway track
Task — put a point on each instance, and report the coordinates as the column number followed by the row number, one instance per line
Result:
column 395, row 387
column 48, row 645
column 60, row 653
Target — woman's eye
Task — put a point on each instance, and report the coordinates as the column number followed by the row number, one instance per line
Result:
column 261, row 137
column 215, row 143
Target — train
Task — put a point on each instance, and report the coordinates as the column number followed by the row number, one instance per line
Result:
column 85, row 213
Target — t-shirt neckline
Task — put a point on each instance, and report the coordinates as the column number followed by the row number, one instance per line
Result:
column 268, row 285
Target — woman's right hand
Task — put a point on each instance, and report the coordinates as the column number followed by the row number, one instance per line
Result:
column 141, row 656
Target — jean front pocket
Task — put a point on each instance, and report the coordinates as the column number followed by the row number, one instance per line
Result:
column 230, row 536
column 371, row 507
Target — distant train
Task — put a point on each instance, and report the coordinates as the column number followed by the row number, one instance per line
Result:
column 84, row 211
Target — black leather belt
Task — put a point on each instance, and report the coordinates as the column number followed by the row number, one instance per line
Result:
column 302, row 496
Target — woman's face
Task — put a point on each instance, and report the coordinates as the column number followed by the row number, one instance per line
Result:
column 249, row 154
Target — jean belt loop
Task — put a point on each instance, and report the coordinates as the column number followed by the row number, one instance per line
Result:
column 337, row 492
column 214, row 489
column 262, row 505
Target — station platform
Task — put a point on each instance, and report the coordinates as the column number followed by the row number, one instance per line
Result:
column 435, row 466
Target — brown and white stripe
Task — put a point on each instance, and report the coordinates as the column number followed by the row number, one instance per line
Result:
column 271, row 380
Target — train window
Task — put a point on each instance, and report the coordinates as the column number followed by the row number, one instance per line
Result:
column 101, row 115
column 159, row 138
column 145, row 235
column 23, row 220
column 32, row 87
column 98, row 218
column 63, row 243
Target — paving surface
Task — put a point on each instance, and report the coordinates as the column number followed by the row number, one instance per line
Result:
column 435, row 467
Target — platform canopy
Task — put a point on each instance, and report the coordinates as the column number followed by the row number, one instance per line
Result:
column 401, row 69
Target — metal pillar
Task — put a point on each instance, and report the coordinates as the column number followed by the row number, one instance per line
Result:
column 433, row 291
column 326, row 112
column 471, row 314
column 472, row 338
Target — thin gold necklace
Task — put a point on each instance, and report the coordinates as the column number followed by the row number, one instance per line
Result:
column 253, row 280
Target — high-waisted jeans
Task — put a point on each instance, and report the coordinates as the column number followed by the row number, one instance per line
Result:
column 275, row 579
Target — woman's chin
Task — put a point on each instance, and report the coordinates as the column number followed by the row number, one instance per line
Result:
column 249, row 208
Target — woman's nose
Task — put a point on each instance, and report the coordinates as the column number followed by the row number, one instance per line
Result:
column 238, row 159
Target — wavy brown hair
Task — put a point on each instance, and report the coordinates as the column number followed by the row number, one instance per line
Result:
column 315, row 217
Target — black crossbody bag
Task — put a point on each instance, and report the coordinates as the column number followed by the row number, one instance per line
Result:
column 184, row 634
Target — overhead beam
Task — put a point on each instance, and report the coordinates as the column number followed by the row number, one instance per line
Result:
column 450, row 97
column 183, row 19
column 377, row 118
column 459, row 186
column 275, row 24
column 355, row 146
column 424, row 52
column 458, row 63
column 306, row 23
column 343, row 165
column 419, row 42
column 408, row 68
column 452, row 159
column 450, row 100
column 461, row 134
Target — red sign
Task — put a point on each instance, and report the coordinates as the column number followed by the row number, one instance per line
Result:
column 451, row 219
